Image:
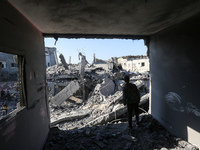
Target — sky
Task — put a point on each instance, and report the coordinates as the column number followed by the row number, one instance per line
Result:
column 103, row 48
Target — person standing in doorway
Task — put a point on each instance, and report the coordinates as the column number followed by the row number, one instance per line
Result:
column 131, row 98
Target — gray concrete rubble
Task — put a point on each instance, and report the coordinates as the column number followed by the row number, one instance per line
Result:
column 103, row 93
column 107, row 87
column 103, row 85
column 62, row 59
column 11, row 100
column 68, row 91
column 116, row 136
column 101, row 115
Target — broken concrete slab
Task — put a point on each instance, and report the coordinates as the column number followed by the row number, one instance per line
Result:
column 108, row 117
column 139, row 83
column 68, row 91
column 62, row 59
column 64, row 118
column 107, row 87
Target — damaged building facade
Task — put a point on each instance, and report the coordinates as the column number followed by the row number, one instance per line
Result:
column 8, row 67
column 51, row 56
column 135, row 63
column 170, row 30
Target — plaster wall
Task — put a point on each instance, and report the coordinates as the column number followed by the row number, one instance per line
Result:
column 123, row 63
column 29, row 128
column 174, row 65
column 136, row 65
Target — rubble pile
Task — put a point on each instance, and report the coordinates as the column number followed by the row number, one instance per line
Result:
column 87, row 112
column 103, row 91
column 10, row 98
column 116, row 136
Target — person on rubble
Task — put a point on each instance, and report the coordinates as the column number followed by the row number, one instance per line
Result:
column 8, row 95
column 2, row 93
column 5, row 108
column 131, row 98
column 120, row 67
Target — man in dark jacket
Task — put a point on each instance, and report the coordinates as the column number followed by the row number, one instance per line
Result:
column 131, row 97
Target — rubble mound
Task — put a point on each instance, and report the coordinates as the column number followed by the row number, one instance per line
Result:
column 116, row 136
column 87, row 112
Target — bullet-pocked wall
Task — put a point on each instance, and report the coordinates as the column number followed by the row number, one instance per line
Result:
column 175, row 69
column 28, row 128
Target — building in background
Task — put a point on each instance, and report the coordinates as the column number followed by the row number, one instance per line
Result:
column 51, row 56
column 8, row 67
column 134, row 63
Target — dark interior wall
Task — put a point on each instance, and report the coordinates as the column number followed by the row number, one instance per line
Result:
column 175, row 69
column 29, row 128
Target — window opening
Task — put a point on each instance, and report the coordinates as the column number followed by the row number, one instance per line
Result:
column 13, row 65
column 11, row 85
column 3, row 64
column 142, row 64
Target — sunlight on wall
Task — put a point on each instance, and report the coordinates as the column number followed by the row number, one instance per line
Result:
column 193, row 136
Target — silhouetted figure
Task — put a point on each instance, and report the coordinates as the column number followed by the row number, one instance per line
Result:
column 131, row 97
column 8, row 95
column 120, row 67
column 2, row 93
column 5, row 109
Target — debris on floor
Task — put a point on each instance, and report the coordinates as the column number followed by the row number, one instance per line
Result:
column 113, row 136
column 87, row 112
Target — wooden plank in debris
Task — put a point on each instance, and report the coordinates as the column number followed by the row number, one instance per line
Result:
column 68, row 91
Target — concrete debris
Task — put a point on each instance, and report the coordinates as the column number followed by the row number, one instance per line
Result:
column 88, row 107
column 68, row 91
column 66, row 118
column 62, row 59
column 185, row 145
column 103, row 94
column 107, row 87
column 10, row 98
column 114, row 136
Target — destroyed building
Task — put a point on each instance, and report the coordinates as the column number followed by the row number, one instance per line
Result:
column 8, row 67
column 135, row 63
column 51, row 56
column 169, row 28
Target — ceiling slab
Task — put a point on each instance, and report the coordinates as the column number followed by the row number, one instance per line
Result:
column 106, row 17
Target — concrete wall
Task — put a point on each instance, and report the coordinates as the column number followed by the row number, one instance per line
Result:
column 123, row 63
column 138, row 65
column 29, row 128
column 175, row 69
column 134, row 65
column 51, row 56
